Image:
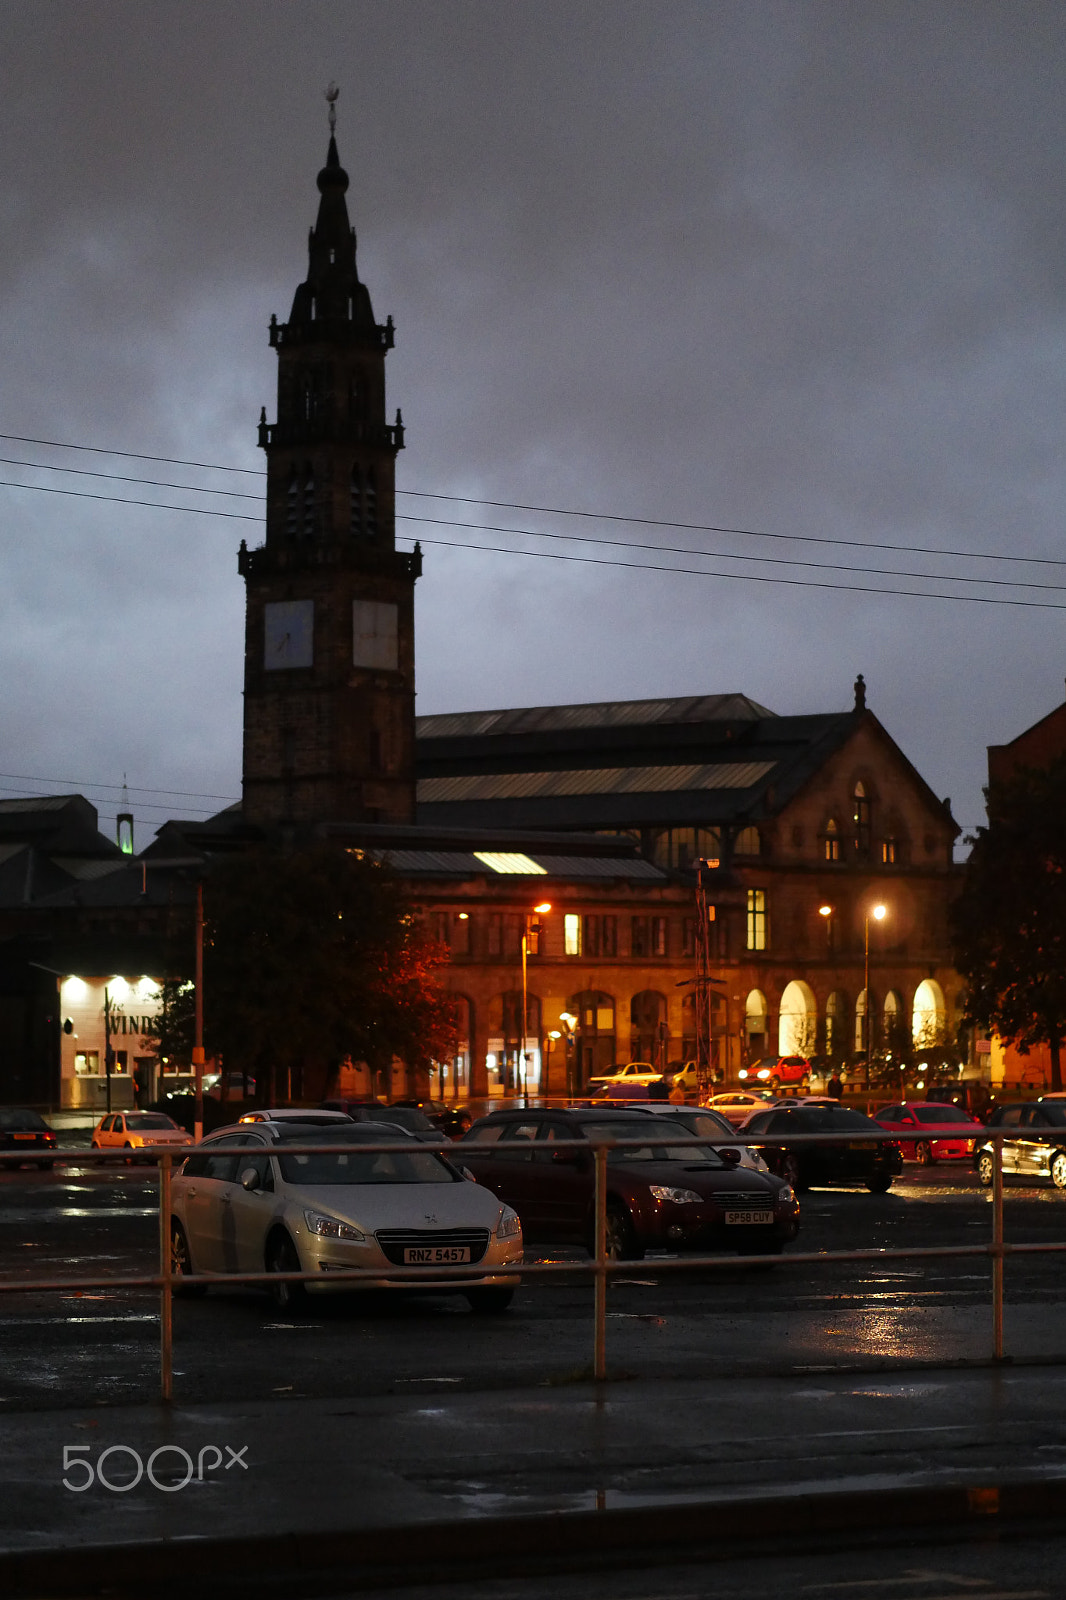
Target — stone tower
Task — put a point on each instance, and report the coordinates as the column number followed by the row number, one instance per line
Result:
column 329, row 666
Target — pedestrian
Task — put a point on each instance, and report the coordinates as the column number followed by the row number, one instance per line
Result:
column 835, row 1088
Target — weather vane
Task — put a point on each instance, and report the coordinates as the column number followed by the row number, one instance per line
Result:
column 331, row 95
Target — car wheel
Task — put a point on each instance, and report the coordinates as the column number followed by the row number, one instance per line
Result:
column 95, row 1145
column 985, row 1168
column 489, row 1302
column 1057, row 1169
column 923, row 1153
column 129, row 1158
column 880, row 1183
column 181, row 1263
column 281, row 1256
column 621, row 1239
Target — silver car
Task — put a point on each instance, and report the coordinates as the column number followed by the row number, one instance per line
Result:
column 357, row 1208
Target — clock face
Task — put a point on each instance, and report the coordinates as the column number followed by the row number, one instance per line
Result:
column 288, row 634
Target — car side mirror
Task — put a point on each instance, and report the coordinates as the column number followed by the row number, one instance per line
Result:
column 467, row 1174
column 250, row 1179
column 730, row 1155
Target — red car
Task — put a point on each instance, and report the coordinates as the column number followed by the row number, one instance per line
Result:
column 938, row 1132
column 771, row 1073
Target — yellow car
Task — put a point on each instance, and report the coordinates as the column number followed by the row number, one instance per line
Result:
column 138, row 1130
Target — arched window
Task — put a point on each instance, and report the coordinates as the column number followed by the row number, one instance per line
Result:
column 836, row 1034
column 371, row 504
column 356, row 502
column 797, row 1025
column 648, row 1036
column 928, row 1015
column 860, row 816
column 594, row 1035
column 831, row 840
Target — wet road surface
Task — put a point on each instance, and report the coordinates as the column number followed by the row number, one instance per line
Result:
column 102, row 1344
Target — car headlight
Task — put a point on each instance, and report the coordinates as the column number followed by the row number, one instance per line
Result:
column 743, row 1072
column 330, row 1228
column 680, row 1197
column 786, row 1195
column 509, row 1225
column 764, row 1073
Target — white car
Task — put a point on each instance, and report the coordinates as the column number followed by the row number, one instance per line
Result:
column 314, row 1119
column 359, row 1208
column 633, row 1072
column 138, row 1130
column 703, row 1123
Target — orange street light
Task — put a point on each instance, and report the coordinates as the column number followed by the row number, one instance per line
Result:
column 540, row 910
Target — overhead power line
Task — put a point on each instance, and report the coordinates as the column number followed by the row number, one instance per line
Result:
column 513, row 505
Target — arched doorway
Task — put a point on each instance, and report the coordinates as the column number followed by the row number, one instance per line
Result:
column 594, row 1034
column 797, row 1027
column 450, row 1080
column 755, row 1024
column 836, row 1031
column 513, row 1062
column 928, row 1015
column 647, row 1022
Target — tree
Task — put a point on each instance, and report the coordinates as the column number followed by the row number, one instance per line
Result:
column 171, row 1038
column 1009, row 923
column 313, row 956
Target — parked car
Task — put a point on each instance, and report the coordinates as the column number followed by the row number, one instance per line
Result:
column 25, row 1130
column 409, row 1118
column 937, row 1132
column 622, row 1091
column 363, row 1208
column 631, row 1072
column 1035, row 1143
column 739, row 1104
column 776, row 1070
column 138, row 1130
column 704, row 1124
column 446, row 1117
column 685, row 1077
column 686, row 1196
column 848, row 1158
column 308, row 1118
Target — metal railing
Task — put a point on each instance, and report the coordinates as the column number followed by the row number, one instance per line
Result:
column 600, row 1267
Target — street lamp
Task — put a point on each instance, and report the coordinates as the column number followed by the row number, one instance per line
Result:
column 878, row 913
column 568, row 1023
column 541, row 910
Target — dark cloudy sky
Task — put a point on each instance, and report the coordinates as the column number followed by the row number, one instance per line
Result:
column 791, row 268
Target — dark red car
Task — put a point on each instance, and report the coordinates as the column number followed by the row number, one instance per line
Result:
column 23, row 1129
column 931, row 1131
column 686, row 1195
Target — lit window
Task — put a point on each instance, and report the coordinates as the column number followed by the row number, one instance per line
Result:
column 756, row 919
column 860, row 816
column 572, row 934
column 888, row 852
column 832, row 841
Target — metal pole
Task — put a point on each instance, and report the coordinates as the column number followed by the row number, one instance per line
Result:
column 599, row 1358
column 107, row 1044
column 166, row 1301
column 997, row 1250
column 525, row 1008
column 866, row 999
column 198, row 1040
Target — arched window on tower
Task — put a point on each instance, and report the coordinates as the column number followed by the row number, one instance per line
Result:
column 356, row 502
column 309, row 501
column 860, row 816
column 371, row 504
column 292, row 505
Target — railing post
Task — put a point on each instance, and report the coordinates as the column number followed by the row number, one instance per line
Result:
column 997, row 1249
column 166, row 1268
column 599, row 1360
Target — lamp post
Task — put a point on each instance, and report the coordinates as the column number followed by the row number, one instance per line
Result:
column 878, row 912
column 541, row 910
column 568, row 1023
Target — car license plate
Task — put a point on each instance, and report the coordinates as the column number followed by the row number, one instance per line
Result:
column 436, row 1255
column 746, row 1218
column 862, row 1144
column 25, row 1136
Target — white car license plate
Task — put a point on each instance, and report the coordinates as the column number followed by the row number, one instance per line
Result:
column 745, row 1218
column 436, row 1255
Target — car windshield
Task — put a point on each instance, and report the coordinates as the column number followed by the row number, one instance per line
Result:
column 829, row 1119
column 139, row 1120
column 17, row 1120
column 362, row 1163
column 613, row 1132
column 941, row 1114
